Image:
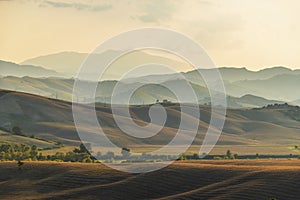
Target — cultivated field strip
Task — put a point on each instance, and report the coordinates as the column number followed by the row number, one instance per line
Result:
column 240, row 179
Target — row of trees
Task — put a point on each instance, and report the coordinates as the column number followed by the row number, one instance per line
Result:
column 21, row 152
column 18, row 152
column 26, row 152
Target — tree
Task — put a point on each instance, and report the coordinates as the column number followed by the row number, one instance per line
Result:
column 196, row 156
column 34, row 152
column 182, row 157
column 41, row 157
column 20, row 164
column 235, row 156
column 125, row 152
column 17, row 130
column 83, row 148
column 99, row 155
column 110, row 155
column 59, row 156
column 87, row 160
column 228, row 154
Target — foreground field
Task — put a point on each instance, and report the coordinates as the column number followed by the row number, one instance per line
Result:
column 237, row 179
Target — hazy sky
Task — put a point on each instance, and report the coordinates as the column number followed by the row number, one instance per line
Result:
column 253, row 33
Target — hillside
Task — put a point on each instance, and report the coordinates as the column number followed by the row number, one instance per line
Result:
column 52, row 121
column 247, row 101
column 272, row 179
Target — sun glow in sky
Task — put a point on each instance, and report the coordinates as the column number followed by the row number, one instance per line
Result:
column 253, row 34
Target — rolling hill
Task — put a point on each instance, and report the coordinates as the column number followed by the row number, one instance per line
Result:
column 52, row 120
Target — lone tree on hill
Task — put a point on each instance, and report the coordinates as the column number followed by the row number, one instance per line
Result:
column 83, row 149
column 20, row 164
column 125, row 152
column 17, row 130
column 228, row 154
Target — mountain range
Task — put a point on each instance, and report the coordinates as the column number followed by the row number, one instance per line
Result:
column 51, row 76
column 70, row 62
column 145, row 94
column 13, row 69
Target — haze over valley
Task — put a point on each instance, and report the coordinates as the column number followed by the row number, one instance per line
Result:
column 143, row 100
column 243, row 87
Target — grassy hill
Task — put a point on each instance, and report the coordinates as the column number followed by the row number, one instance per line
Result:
column 273, row 128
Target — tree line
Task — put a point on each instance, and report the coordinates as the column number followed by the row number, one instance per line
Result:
column 21, row 152
column 10, row 152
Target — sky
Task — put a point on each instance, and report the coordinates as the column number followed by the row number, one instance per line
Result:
column 250, row 33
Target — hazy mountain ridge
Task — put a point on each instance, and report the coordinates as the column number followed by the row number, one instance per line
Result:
column 276, row 84
column 13, row 69
column 58, row 62
column 69, row 62
column 282, row 87
column 145, row 94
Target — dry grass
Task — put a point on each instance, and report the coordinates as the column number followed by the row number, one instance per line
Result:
column 236, row 179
